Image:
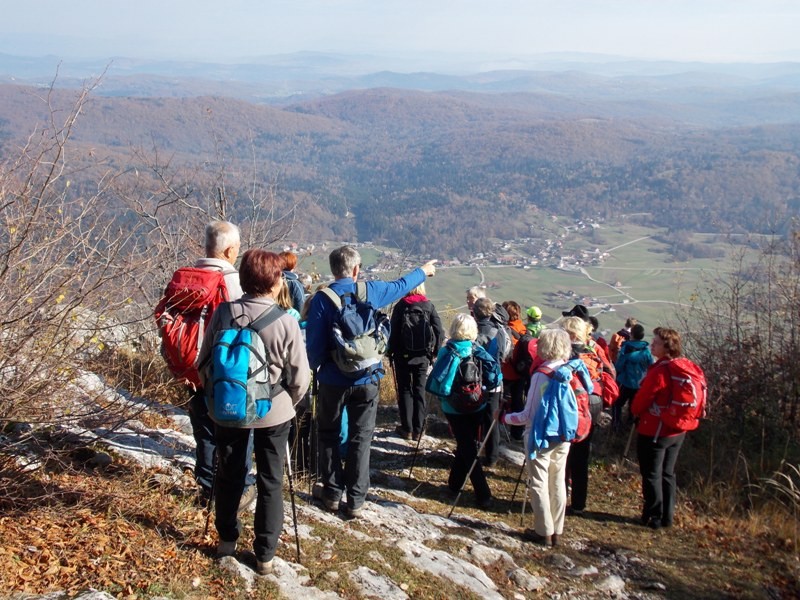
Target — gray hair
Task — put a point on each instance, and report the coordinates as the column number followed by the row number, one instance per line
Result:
column 219, row 236
column 483, row 308
column 343, row 260
column 476, row 291
column 463, row 327
column 554, row 344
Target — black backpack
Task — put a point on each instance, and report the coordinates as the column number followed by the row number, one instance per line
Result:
column 465, row 394
column 416, row 331
column 521, row 359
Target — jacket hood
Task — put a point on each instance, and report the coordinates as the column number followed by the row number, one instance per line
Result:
column 462, row 347
column 414, row 298
column 563, row 373
column 633, row 345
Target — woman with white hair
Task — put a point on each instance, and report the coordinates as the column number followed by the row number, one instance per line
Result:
column 548, row 462
column 465, row 424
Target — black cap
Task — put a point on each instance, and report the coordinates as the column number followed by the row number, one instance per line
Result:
column 579, row 310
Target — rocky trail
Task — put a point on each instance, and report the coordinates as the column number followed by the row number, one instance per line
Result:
column 404, row 546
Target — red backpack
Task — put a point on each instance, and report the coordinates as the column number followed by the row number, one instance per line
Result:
column 687, row 402
column 183, row 314
column 602, row 374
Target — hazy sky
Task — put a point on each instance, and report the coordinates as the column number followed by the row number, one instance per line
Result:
column 710, row 30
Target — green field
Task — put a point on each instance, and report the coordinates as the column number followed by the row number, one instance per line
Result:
column 652, row 286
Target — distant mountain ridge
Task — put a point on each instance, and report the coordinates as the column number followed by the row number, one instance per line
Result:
column 445, row 170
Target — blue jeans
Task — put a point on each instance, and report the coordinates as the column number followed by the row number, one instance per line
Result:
column 205, row 445
column 235, row 447
column 361, row 402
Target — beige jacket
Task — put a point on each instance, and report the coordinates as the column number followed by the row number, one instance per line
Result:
column 288, row 361
column 229, row 272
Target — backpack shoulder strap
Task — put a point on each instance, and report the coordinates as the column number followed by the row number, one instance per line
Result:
column 269, row 316
column 546, row 371
column 515, row 334
column 333, row 296
column 361, row 291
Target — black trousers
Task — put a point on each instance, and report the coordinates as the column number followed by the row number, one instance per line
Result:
column 657, row 460
column 466, row 429
column 270, row 452
column 626, row 395
column 492, row 451
column 411, row 374
column 578, row 470
column 361, row 402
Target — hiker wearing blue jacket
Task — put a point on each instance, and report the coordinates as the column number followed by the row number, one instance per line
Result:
column 633, row 360
column 467, row 427
column 550, row 422
column 338, row 390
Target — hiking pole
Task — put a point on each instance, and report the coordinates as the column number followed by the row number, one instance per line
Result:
column 314, row 450
column 474, row 462
column 213, row 493
column 416, row 450
column 519, row 478
column 628, row 444
column 294, row 507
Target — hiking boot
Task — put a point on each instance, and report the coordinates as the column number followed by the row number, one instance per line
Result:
column 654, row 523
column 351, row 512
column 402, row 432
column 203, row 498
column 226, row 548
column 248, row 499
column 532, row 536
column 485, row 503
column 574, row 512
column 416, row 435
column 318, row 493
column 264, row 567
column 554, row 539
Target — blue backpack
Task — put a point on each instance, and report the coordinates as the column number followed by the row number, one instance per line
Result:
column 238, row 390
column 360, row 333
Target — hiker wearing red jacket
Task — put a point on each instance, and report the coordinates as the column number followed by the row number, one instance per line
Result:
column 658, row 444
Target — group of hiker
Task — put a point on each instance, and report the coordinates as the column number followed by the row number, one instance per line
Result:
column 246, row 345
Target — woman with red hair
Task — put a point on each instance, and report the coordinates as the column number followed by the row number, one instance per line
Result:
column 260, row 276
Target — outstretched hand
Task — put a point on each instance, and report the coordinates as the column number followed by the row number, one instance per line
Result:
column 429, row 268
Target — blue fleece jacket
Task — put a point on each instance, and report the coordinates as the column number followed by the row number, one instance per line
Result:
column 632, row 363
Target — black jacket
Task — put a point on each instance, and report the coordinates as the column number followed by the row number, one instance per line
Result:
column 396, row 346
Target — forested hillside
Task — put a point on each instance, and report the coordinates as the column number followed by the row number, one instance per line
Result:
column 426, row 171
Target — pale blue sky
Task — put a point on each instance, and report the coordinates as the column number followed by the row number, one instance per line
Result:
column 708, row 30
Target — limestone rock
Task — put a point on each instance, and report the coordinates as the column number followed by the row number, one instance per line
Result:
column 526, row 581
column 374, row 585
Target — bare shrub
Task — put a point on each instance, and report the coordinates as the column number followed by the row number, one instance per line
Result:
column 745, row 332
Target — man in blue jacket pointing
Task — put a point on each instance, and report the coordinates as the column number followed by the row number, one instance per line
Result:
column 338, row 390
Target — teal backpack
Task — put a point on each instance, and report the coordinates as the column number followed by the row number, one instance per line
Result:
column 238, row 390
